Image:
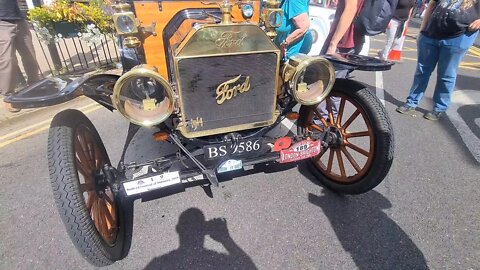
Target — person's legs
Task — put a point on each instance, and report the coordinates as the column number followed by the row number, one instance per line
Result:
column 359, row 41
column 7, row 57
column 20, row 79
column 452, row 52
column 391, row 31
column 428, row 53
column 24, row 45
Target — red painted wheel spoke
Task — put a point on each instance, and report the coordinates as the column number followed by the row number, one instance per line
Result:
column 330, row 111
column 340, row 112
column 95, row 213
column 357, row 134
column 330, row 161
column 91, row 152
column 83, row 148
column 351, row 159
column 98, row 157
column 358, row 149
column 317, row 158
column 82, row 151
column 351, row 119
column 324, row 122
column 109, row 217
column 340, row 163
column 90, row 200
column 314, row 126
column 109, row 200
column 319, row 115
column 101, row 220
column 85, row 171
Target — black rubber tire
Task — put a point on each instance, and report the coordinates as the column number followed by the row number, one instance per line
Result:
column 383, row 140
column 69, row 197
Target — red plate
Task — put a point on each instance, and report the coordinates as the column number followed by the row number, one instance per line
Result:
column 299, row 151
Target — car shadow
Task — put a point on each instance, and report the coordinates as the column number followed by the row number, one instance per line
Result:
column 191, row 253
column 470, row 114
column 466, row 82
column 365, row 231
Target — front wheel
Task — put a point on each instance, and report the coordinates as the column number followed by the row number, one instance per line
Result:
column 359, row 135
column 97, row 221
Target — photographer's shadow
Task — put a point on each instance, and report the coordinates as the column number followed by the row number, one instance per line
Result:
column 373, row 239
column 191, row 254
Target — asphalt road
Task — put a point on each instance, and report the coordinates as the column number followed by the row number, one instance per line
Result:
column 424, row 215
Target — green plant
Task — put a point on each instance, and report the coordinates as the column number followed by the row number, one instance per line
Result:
column 85, row 16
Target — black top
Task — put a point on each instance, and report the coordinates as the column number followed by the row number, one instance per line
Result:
column 403, row 9
column 451, row 18
column 9, row 10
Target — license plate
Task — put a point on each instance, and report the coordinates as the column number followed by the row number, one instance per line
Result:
column 151, row 183
column 241, row 148
column 299, row 151
column 230, row 165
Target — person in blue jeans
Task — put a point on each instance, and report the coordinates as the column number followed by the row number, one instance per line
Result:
column 448, row 30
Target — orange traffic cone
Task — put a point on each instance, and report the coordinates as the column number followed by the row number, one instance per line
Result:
column 396, row 52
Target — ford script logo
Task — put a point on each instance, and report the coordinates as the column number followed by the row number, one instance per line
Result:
column 230, row 39
column 231, row 88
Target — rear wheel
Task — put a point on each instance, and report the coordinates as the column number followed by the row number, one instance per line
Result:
column 97, row 221
column 359, row 136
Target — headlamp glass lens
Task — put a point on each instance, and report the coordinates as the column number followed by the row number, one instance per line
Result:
column 125, row 24
column 247, row 11
column 275, row 19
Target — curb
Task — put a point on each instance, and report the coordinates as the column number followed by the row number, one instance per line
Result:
column 8, row 117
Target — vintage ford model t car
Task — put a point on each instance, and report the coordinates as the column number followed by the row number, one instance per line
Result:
column 207, row 79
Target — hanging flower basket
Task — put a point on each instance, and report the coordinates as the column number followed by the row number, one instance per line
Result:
column 66, row 29
column 63, row 19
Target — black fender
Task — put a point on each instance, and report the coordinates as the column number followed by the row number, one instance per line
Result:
column 55, row 90
column 347, row 61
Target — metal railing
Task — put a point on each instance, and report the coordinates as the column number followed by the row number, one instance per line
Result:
column 73, row 55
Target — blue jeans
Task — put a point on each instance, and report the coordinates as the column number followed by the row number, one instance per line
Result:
column 446, row 54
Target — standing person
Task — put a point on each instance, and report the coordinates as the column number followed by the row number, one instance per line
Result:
column 397, row 25
column 342, row 37
column 448, row 30
column 293, row 36
column 15, row 35
column 417, row 10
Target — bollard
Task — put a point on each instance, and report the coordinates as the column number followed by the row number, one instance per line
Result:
column 396, row 52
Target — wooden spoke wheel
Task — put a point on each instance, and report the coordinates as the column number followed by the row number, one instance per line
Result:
column 359, row 138
column 98, row 195
column 97, row 221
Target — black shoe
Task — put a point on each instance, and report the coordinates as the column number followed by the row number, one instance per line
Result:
column 433, row 115
column 405, row 109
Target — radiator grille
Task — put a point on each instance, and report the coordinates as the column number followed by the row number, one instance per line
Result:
column 199, row 79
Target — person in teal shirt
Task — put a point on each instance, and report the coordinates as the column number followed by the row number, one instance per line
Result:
column 294, row 36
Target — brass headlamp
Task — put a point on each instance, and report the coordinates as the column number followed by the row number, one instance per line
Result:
column 143, row 96
column 126, row 24
column 272, row 17
column 310, row 78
